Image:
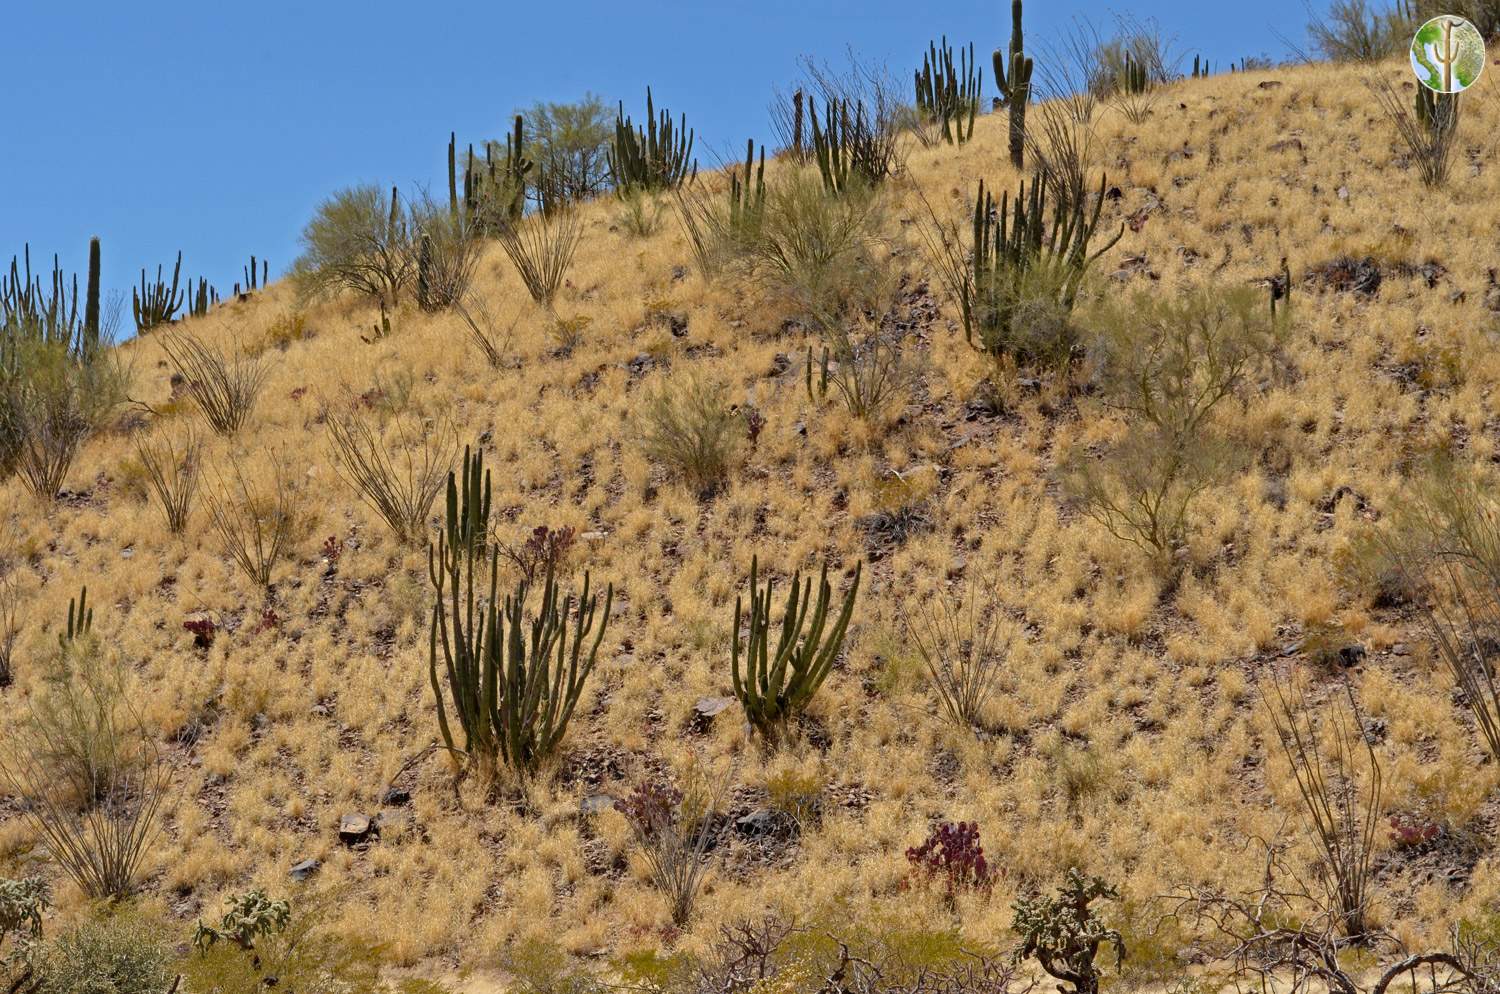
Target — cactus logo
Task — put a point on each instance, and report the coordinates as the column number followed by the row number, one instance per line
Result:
column 1447, row 54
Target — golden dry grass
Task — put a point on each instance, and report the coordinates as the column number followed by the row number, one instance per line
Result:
column 1131, row 742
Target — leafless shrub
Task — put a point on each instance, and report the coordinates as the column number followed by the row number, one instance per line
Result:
column 172, row 474
column 484, row 331
column 866, row 356
column 256, row 528
column 444, row 254
column 1071, row 73
column 877, row 106
column 965, row 647
column 1062, row 148
column 224, row 387
column 1355, row 31
column 397, row 471
column 541, row 248
column 1430, row 135
column 1147, row 45
column 1339, row 779
column 91, row 778
column 674, row 832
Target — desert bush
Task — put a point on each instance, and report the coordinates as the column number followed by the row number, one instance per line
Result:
column 359, row 240
column 51, row 400
column 247, row 917
column 1427, row 125
column 654, row 157
column 965, row 650
column 120, row 954
column 641, row 212
column 722, row 231
column 1135, row 42
column 484, row 331
column 674, row 832
column 172, row 474
column 545, row 550
column 1357, row 31
column 814, row 247
column 1064, row 934
column 776, row 688
column 444, row 253
column 512, row 695
column 1071, row 72
column 92, row 777
column 690, row 426
column 256, row 525
column 223, row 386
column 1339, row 780
column 569, row 143
column 541, row 248
column 398, row 471
column 1168, row 364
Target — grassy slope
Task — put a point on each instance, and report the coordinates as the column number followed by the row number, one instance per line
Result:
column 1132, row 747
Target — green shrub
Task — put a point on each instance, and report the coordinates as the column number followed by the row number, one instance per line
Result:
column 1357, row 31
column 52, row 399
column 116, row 955
column 690, row 426
column 815, row 247
column 641, row 212
column 1065, row 934
column 359, row 240
column 22, row 903
column 569, row 143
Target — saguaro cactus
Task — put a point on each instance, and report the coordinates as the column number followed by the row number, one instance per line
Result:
column 1013, row 78
column 89, row 343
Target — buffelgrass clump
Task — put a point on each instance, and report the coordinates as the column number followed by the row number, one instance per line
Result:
column 484, row 331
column 173, row 474
column 1168, row 365
column 397, row 470
column 1426, row 125
column 1339, row 780
column 965, row 646
column 224, row 387
column 775, row 686
column 1064, row 934
column 674, row 831
column 256, row 525
column 91, row 775
column 689, row 425
column 541, row 248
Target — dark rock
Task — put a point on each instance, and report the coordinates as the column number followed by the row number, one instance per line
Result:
column 1269, row 84
column 1401, row 649
column 395, row 797
column 758, row 822
column 1351, row 655
column 984, row 402
column 305, row 869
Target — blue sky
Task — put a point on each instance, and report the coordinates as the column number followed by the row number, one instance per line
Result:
column 216, row 127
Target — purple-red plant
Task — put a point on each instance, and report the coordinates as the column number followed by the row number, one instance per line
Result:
column 650, row 808
column 952, row 854
column 269, row 619
column 1409, row 829
column 543, row 551
column 203, row 630
column 333, row 547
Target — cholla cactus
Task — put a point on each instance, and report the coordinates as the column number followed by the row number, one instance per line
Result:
column 1064, row 934
column 248, row 916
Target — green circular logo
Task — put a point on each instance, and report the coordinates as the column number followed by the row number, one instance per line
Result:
column 1447, row 54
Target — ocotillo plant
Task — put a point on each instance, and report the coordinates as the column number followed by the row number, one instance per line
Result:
column 1013, row 79
column 512, row 684
column 654, row 158
column 948, row 93
column 155, row 303
column 774, row 687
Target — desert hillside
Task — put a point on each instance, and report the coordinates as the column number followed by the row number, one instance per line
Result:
column 1126, row 734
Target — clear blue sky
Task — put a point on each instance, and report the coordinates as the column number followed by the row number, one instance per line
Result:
column 216, row 127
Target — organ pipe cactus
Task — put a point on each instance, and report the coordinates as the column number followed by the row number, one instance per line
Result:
column 89, row 340
column 155, row 303
column 511, row 682
column 775, row 686
column 947, row 92
column 1013, row 79
column 746, row 198
column 654, row 158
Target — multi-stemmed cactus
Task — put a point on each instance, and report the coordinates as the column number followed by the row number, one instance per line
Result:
column 156, row 303
column 746, row 196
column 1200, row 68
column 31, row 314
column 652, row 159
column 1134, row 79
column 494, row 191
column 948, row 92
column 774, row 686
column 1013, row 79
column 199, row 300
column 512, row 683
column 1017, row 239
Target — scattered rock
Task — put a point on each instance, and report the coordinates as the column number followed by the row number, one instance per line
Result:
column 1269, row 84
column 305, row 869
column 1401, row 649
column 395, row 797
column 355, row 828
column 984, row 402
column 756, row 823
column 709, row 708
column 1291, row 648
column 780, row 363
column 1351, row 655
column 594, row 536
column 594, row 804
column 1343, row 193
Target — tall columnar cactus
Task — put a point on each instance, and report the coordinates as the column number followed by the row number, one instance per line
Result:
column 746, row 198
column 494, row 190
column 1013, row 79
column 453, row 174
column 1436, row 112
column 511, row 683
column 1135, row 79
column 89, row 343
column 80, row 618
column 774, row 687
column 654, row 158
column 1017, row 238
column 948, row 93
column 31, row 314
column 1200, row 67
column 155, row 303
column 199, row 300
